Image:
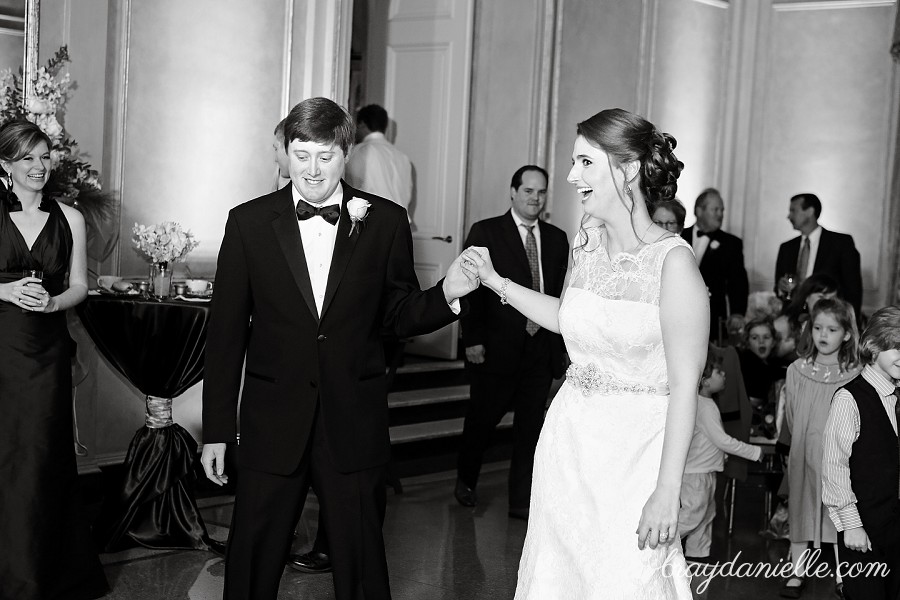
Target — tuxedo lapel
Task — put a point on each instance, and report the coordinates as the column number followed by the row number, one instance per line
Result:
column 288, row 235
column 344, row 244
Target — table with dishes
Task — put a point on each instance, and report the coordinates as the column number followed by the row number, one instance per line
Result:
column 157, row 344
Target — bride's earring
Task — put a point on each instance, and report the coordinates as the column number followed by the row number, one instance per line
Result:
column 627, row 191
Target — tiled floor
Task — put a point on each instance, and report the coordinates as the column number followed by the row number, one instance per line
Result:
column 437, row 550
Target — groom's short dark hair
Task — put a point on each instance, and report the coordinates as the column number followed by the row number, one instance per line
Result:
column 322, row 121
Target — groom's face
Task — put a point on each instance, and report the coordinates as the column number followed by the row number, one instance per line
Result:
column 316, row 169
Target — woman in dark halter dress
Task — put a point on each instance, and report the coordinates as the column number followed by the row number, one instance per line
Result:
column 46, row 550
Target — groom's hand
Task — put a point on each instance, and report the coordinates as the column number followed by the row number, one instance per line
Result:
column 461, row 279
column 213, row 461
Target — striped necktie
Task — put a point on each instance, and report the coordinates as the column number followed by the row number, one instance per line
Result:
column 531, row 251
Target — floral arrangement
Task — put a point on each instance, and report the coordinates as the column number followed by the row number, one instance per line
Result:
column 164, row 242
column 72, row 179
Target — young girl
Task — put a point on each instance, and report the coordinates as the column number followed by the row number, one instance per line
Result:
column 828, row 360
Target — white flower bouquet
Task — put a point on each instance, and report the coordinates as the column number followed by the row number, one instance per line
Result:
column 164, row 242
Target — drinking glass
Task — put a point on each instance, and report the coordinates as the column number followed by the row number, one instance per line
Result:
column 32, row 273
column 790, row 284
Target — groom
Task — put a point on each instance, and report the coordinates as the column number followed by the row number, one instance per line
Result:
column 308, row 278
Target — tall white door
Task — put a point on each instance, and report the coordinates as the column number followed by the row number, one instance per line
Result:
column 419, row 61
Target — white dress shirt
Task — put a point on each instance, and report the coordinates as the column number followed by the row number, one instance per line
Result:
column 841, row 432
column 699, row 243
column 814, row 236
column 522, row 226
column 318, row 237
column 377, row 167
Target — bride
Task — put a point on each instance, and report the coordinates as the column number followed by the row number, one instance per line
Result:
column 635, row 318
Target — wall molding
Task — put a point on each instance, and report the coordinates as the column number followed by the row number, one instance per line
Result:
column 829, row 5
column 553, row 99
column 287, row 57
column 117, row 109
column 715, row 3
column 542, row 92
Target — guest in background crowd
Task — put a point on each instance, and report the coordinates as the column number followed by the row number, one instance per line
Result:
column 313, row 404
column 705, row 458
column 861, row 467
column 670, row 215
column 818, row 250
column 721, row 259
column 376, row 165
column 761, row 374
column 511, row 361
column 46, row 549
column 828, row 360
column 796, row 314
column 283, row 176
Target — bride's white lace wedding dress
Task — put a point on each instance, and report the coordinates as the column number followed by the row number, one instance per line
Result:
column 598, row 457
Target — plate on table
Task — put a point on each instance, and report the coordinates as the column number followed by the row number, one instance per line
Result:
column 189, row 294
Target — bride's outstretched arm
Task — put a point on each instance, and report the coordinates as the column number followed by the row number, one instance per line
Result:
column 684, row 318
column 540, row 308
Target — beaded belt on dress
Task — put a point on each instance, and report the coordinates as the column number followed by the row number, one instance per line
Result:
column 591, row 380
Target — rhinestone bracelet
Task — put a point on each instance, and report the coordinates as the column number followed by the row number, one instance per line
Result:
column 503, row 290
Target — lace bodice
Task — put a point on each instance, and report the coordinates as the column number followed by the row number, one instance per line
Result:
column 610, row 312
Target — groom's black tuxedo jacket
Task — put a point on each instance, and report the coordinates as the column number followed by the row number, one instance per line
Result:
column 837, row 256
column 263, row 312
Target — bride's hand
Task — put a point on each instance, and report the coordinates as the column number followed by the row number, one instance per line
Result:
column 479, row 258
column 659, row 519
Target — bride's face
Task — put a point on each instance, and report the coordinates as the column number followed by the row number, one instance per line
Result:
column 593, row 179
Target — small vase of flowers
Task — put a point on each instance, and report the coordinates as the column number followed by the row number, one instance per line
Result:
column 163, row 243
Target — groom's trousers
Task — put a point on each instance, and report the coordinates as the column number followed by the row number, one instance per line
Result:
column 266, row 509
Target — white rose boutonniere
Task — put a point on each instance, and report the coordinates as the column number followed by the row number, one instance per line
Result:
column 714, row 244
column 358, row 209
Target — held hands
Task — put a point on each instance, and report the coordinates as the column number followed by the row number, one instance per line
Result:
column 478, row 258
column 461, row 279
column 659, row 519
column 213, row 461
column 28, row 294
column 857, row 539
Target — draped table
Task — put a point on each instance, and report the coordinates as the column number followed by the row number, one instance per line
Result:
column 157, row 346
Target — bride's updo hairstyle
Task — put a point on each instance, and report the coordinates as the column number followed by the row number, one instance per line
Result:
column 625, row 137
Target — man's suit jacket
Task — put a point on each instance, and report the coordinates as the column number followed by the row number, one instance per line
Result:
column 723, row 271
column 263, row 310
column 837, row 257
column 501, row 329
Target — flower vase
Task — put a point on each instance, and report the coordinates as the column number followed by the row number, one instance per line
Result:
column 162, row 280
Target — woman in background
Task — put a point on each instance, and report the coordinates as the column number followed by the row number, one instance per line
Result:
column 47, row 552
column 635, row 318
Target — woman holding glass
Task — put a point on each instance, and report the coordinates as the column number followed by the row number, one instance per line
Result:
column 47, row 551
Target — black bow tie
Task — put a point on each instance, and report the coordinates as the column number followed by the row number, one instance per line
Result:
column 330, row 213
column 700, row 234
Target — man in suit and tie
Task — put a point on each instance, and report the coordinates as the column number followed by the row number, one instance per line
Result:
column 721, row 259
column 511, row 361
column 817, row 250
column 308, row 278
